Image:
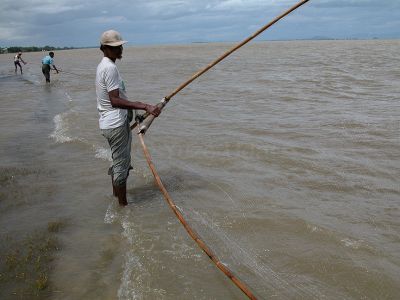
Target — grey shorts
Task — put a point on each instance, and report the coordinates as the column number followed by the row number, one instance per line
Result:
column 120, row 140
column 46, row 72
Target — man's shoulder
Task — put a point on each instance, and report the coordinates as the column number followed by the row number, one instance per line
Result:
column 107, row 72
column 106, row 65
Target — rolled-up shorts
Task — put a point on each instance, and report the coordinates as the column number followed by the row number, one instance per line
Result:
column 119, row 139
column 46, row 72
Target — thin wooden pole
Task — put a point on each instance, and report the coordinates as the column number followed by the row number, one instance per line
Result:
column 190, row 231
column 149, row 118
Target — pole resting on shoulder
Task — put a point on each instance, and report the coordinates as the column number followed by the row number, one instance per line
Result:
column 150, row 118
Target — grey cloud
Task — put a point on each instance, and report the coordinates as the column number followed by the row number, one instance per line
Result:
column 356, row 3
column 170, row 21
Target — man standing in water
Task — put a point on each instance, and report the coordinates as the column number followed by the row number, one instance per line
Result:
column 48, row 61
column 18, row 58
column 113, row 108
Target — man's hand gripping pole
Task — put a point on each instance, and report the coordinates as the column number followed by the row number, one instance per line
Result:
column 150, row 118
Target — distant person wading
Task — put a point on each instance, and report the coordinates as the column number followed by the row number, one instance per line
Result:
column 47, row 62
column 116, row 112
column 18, row 58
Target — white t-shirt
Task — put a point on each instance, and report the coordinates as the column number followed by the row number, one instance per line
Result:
column 108, row 79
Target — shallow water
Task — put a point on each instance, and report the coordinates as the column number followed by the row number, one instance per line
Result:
column 284, row 158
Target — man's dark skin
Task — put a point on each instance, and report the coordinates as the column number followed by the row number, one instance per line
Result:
column 115, row 53
column 54, row 67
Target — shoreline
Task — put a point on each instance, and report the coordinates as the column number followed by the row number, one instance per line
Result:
column 213, row 43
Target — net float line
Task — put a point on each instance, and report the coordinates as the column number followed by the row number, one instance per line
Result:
column 146, row 119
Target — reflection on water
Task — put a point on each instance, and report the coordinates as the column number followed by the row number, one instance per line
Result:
column 284, row 158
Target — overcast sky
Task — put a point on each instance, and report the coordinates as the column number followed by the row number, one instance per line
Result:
column 79, row 23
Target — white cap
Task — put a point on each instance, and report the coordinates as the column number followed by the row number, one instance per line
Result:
column 111, row 38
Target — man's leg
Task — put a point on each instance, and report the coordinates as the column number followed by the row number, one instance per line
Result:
column 110, row 172
column 122, row 162
column 119, row 140
column 46, row 72
column 121, row 194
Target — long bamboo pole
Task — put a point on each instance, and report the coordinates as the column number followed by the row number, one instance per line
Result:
column 148, row 119
column 190, row 231
column 147, row 122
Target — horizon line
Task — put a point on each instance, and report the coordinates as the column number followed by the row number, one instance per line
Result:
column 210, row 42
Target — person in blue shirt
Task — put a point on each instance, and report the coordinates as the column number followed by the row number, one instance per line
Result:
column 47, row 62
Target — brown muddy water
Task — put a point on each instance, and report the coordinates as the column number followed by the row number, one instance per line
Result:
column 285, row 158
